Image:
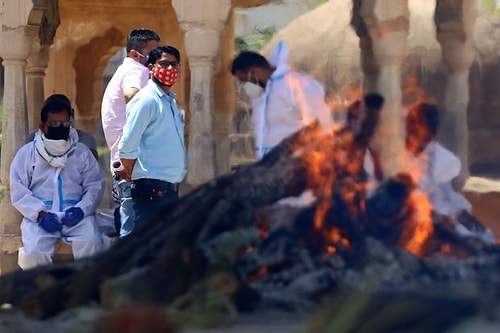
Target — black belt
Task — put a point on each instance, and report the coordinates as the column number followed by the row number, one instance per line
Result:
column 155, row 184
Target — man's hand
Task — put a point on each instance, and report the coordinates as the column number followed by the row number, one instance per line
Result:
column 72, row 216
column 128, row 167
column 121, row 174
column 49, row 222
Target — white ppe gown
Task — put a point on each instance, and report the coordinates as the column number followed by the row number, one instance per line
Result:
column 290, row 101
column 36, row 186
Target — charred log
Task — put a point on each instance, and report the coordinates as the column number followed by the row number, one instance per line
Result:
column 224, row 226
column 162, row 260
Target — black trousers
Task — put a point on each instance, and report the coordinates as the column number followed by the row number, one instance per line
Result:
column 150, row 194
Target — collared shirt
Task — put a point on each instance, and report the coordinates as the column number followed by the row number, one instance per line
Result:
column 130, row 74
column 154, row 136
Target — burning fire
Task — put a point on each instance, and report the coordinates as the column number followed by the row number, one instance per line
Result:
column 322, row 176
column 419, row 227
column 333, row 163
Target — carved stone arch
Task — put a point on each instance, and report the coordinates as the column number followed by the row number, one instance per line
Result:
column 45, row 16
column 89, row 84
column 100, row 82
column 42, row 23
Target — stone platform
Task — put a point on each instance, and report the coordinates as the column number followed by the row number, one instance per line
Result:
column 484, row 195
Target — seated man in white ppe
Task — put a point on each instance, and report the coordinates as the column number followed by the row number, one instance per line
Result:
column 84, row 137
column 56, row 184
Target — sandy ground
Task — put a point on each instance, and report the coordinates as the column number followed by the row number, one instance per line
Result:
column 484, row 195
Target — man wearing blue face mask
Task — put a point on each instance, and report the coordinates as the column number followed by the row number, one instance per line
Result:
column 56, row 184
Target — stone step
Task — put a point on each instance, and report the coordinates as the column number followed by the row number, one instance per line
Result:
column 241, row 149
column 11, row 243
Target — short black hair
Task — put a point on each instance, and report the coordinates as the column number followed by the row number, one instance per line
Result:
column 247, row 59
column 54, row 104
column 156, row 53
column 138, row 38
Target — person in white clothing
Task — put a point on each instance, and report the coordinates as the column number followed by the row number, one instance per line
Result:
column 129, row 78
column 433, row 168
column 285, row 101
column 84, row 137
column 56, row 184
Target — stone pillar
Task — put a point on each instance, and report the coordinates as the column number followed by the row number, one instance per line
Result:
column 203, row 28
column 368, row 61
column 14, row 49
column 35, row 73
column 386, row 22
column 202, row 46
column 454, row 21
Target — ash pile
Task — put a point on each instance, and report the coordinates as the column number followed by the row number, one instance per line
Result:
column 323, row 234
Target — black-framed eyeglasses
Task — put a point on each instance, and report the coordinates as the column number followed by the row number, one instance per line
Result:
column 174, row 64
column 59, row 123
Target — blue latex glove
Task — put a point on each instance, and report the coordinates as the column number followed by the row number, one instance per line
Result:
column 50, row 223
column 72, row 216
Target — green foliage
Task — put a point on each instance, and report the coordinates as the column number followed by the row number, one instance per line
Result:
column 489, row 5
column 102, row 151
column 260, row 36
column 256, row 40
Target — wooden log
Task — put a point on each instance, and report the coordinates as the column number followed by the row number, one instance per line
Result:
column 161, row 260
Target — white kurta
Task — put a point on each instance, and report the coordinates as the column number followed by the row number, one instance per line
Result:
column 36, row 186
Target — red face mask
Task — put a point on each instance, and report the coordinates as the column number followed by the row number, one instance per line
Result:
column 166, row 75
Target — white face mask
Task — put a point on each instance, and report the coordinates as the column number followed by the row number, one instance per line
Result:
column 252, row 90
column 56, row 147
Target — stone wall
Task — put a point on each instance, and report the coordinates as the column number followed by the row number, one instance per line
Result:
column 484, row 120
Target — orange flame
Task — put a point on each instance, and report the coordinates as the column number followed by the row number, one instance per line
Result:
column 318, row 163
column 257, row 275
column 419, row 227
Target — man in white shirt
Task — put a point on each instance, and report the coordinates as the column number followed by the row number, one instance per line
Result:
column 130, row 76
